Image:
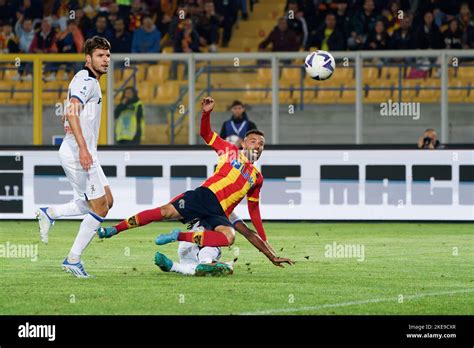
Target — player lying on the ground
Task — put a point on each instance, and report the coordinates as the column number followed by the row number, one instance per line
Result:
column 234, row 178
column 78, row 156
column 200, row 261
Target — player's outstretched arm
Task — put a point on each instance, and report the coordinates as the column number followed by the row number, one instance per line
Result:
column 263, row 246
column 210, row 137
column 72, row 115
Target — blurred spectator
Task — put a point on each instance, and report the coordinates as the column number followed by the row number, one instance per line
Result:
column 135, row 16
column 363, row 23
column 428, row 35
column 147, row 38
column 227, row 11
column 7, row 12
column 234, row 130
column 59, row 14
column 45, row 42
column 378, row 38
column 328, row 37
column 8, row 40
column 100, row 28
column 429, row 140
column 296, row 22
column 113, row 13
column 207, row 26
column 453, row 36
column 281, row 38
column 403, row 38
column 25, row 33
column 121, row 41
column 129, row 119
column 177, row 21
column 31, row 9
column 84, row 23
column 392, row 16
column 469, row 37
column 70, row 41
column 465, row 16
column 165, row 11
column 343, row 21
column 187, row 40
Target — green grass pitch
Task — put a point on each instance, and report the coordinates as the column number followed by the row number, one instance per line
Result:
column 408, row 268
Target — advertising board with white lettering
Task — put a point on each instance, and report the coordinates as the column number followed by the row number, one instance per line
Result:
column 298, row 184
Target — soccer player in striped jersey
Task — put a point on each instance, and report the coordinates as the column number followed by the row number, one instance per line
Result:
column 234, row 178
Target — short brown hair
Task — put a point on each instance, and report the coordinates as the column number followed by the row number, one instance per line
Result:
column 255, row 131
column 95, row 43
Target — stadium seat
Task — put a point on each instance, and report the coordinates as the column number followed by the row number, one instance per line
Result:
column 309, row 96
column 10, row 74
column 343, row 75
column 264, row 75
column 158, row 73
column 327, row 96
column 378, row 95
column 370, row 74
column 348, row 97
column 291, row 76
column 167, row 93
column 429, row 95
column 392, row 73
column 146, row 92
column 457, row 95
column 156, row 134
column 5, row 91
column 465, row 74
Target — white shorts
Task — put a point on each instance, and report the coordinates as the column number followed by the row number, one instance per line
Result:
column 86, row 184
column 194, row 254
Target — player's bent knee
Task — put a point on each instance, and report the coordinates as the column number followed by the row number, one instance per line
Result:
column 110, row 202
column 101, row 211
column 229, row 233
column 169, row 212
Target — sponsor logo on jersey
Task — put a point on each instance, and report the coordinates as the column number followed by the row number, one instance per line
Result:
column 241, row 168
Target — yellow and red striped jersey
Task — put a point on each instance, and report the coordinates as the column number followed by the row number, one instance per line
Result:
column 235, row 176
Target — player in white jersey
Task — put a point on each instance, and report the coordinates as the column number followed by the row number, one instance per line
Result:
column 204, row 261
column 78, row 156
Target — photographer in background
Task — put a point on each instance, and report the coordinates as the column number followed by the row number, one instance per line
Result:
column 429, row 140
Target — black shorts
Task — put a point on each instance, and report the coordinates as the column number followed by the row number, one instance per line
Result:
column 201, row 204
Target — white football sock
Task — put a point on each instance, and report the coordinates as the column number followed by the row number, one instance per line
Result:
column 184, row 268
column 74, row 208
column 208, row 254
column 86, row 233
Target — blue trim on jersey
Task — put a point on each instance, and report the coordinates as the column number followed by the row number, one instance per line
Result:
column 97, row 217
column 75, row 96
column 233, row 224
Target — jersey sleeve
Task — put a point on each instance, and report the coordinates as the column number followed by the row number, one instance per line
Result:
column 221, row 146
column 234, row 218
column 81, row 88
column 213, row 139
column 254, row 194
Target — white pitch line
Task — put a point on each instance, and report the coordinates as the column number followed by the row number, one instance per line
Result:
column 355, row 303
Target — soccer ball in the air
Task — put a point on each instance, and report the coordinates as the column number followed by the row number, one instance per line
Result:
column 320, row 65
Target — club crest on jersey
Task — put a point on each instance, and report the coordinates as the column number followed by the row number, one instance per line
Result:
column 240, row 167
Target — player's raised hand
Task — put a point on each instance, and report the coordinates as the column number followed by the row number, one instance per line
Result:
column 279, row 261
column 207, row 104
column 85, row 158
